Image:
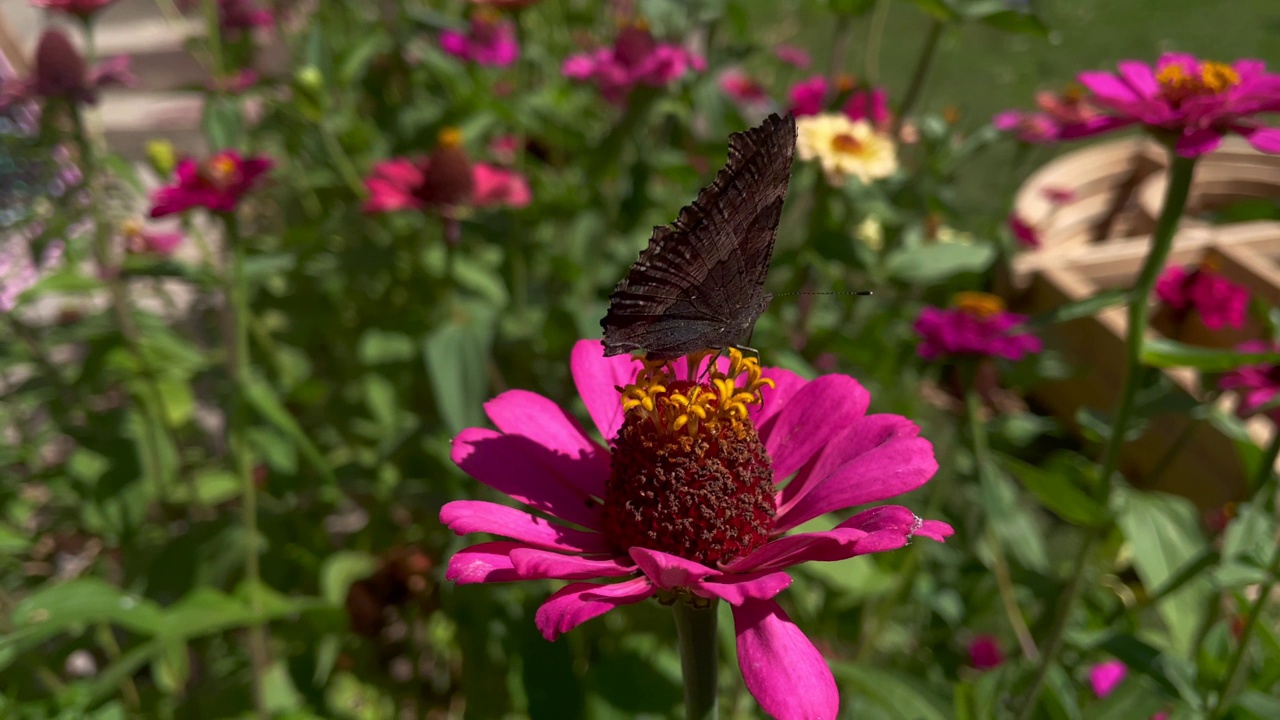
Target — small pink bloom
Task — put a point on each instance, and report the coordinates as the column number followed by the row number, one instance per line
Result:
column 489, row 40
column 144, row 241
column 496, row 186
column 60, row 74
column 794, row 56
column 236, row 17
column 977, row 326
column 985, row 653
column 1034, row 128
column 1219, row 302
column 406, row 184
column 237, row 82
column 1026, row 235
column 1106, row 676
column 742, row 88
column 808, row 97
column 590, row 523
column 83, row 9
column 504, row 148
column 217, row 185
column 636, row 58
column 1059, row 195
column 871, row 105
column 1257, row 385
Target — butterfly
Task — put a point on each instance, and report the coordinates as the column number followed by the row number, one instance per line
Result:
column 700, row 282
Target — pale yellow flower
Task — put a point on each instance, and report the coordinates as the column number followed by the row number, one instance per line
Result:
column 948, row 234
column 846, row 147
column 871, row 233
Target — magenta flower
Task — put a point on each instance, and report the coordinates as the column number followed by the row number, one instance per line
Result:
column 871, row 104
column 677, row 446
column 445, row 180
column 217, row 184
column 985, row 652
column 1029, row 127
column 489, row 40
column 83, row 9
column 1026, row 235
column 1059, row 195
column 1219, row 302
column 808, row 97
column 794, row 56
column 636, row 58
column 141, row 240
column 742, row 88
column 975, row 326
column 236, row 17
column 1106, row 676
column 1257, row 385
column 59, row 73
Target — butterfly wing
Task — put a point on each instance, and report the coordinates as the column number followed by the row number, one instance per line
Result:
column 700, row 281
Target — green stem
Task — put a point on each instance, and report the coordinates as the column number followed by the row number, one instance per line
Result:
column 840, row 44
column 237, row 441
column 1175, row 200
column 923, row 65
column 1226, row 695
column 875, row 35
column 699, row 661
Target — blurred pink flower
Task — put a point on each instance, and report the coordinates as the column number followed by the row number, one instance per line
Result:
column 871, row 105
column 236, row 16
column 1029, row 127
column 1257, row 385
column 794, row 56
column 1106, row 676
column 489, row 40
column 60, row 74
column 808, row 97
column 1023, row 232
column 1059, row 195
column 446, row 179
column 83, row 9
column 504, row 148
column 237, row 82
column 742, row 88
column 985, row 652
column 217, row 184
column 19, row 270
column 1219, row 302
column 636, row 58
column 975, row 326
column 141, row 240
column 607, row 522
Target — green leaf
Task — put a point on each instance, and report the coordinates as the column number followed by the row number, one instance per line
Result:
column 1014, row 21
column 896, row 695
column 1088, row 307
column 381, row 347
column 934, row 263
column 340, row 570
column 212, row 487
column 1165, row 353
column 457, row 359
column 1060, row 488
column 1262, row 705
column 262, row 397
column 1134, row 699
column 941, row 10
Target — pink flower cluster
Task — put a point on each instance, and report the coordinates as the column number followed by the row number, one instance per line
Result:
column 217, row 185
column 813, row 95
column 960, row 332
column 1191, row 101
column 1257, row 385
column 83, row 9
column 636, row 58
column 489, row 40
column 59, row 73
column 1218, row 301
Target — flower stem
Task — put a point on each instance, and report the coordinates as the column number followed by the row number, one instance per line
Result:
column 1263, row 482
column 875, row 36
column 927, row 53
column 1175, row 200
column 237, row 326
column 699, row 661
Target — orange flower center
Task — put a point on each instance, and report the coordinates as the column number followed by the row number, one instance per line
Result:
column 846, row 82
column 978, row 304
column 450, row 137
column 1176, row 84
column 846, row 144
column 223, row 171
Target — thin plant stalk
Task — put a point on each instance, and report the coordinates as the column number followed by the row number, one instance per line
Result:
column 237, row 326
column 699, row 658
column 875, row 37
column 1231, row 680
column 1175, row 201
column 923, row 64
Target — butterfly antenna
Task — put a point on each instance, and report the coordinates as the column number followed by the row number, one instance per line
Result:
column 851, row 292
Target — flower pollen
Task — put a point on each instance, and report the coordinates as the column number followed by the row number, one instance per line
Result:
column 223, row 171
column 846, row 143
column 978, row 304
column 1178, row 84
column 689, row 475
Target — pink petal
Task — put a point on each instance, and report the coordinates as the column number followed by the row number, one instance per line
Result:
column 811, row 418
column 1140, row 78
column 889, row 527
column 787, row 384
column 520, row 468
column 1198, row 142
column 486, row 562
column 791, row 550
column 533, row 564
column 597, row 378
column 577, row 603
column 496, row 186
column 738, row 589
column 576, row 457
column 1263, row 138
column 404, row 172
column 864, row 435
column 472, row 516
column 783, row 670
column 899, row 465
column 669, row 571
column 1109, row 89
column 934, row 530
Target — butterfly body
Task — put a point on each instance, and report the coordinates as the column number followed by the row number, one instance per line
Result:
column 700, row 282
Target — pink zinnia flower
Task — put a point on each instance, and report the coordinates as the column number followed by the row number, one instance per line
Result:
column 632, row 512
column 985, row 652
column 141, row 240
column 636, row 58
column 236, row 16
column 489, row 40
column 444, row 180
column 870, row 104
column 1029, row 127
column 83, row 9
column 217, row 184
column 1219, row 302
column 1257, row 385
column 1106, row 676
column 976, row 326
column 794, row 56
column 742, row 88
column 1023, row 232
column 808, row 97
column 59, row 73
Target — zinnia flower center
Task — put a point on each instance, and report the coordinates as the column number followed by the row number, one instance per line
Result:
column 1176, row 84
column 978, row 304
column 846, row 144
column 689, row 475
column 223, row 171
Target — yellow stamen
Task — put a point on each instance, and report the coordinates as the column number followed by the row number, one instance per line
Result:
column 223, row 170
column 725, row 398
column 846, row 82
column 1214, row 77
column 846, row 144
column 450, row 137
column 131, row 229
column 1218, row 76
column 978, row 304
